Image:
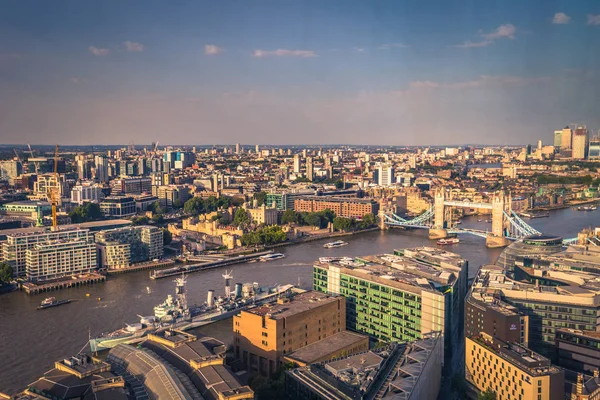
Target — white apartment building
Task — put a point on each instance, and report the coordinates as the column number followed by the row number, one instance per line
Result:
column 59, row 259
column 86, row 192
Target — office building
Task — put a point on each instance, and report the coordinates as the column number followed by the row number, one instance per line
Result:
column 341, row 206
column 101, row 163
column 171, row 196
column 580, row 143
column 402, row 296
column 407, row 371
column 566, row 138
column 118, row 248
column 594, row 149
column 558, row 140
column 117, row 206
column 15, row 246
column 510, row 370
column 131, row 185
column 263, row 335
column 284, row 200
column 385, row 175
column 297, row 163
column 59, row 259
column 556, row 293
column 86, row 192
column 10, row 169
column 578, row 350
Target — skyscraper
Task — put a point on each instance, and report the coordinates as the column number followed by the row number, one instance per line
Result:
column 101, row 163
column 297, row 163
column 566, row 138
column 580, row 143
column 385, row 176
column 594, row 148
column 237, row 148
column 310, row 174
column 558, row 140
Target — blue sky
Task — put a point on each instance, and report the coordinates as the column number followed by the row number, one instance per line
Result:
column 292, row 72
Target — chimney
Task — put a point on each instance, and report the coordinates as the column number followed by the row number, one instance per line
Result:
column 579, row 383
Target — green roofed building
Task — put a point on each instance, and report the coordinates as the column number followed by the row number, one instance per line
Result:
column 401, row 296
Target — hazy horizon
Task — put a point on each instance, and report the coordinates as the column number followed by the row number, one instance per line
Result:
column 381, row 73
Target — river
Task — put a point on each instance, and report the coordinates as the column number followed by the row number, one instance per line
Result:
column 31, row 340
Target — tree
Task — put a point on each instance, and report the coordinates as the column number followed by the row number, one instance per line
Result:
column 241, row 217
column 158, row 219
column 167, row 236
column 86, row 212
column 194, row 206
column 289, row 217
column 177, row 204
column 343, row 224
column 339, row 184
column 155, row 208
column 487, row 395
column 6, row 273
column 328, row 215
column 314, row 219
column 140, row 220
column 261, row 197
column 368, row 220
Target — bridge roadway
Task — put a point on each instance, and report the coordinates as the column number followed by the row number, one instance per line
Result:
column 467, row 204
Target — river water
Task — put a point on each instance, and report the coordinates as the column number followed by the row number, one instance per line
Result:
column 31, row 340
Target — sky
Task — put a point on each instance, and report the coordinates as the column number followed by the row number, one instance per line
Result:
column 423, row 72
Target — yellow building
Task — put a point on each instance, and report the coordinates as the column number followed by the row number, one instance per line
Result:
column 585, row 389
column 263, row 335
column 512, row 371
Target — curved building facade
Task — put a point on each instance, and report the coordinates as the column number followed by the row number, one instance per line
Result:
column 524, row 252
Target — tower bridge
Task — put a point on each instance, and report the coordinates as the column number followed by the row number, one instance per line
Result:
column 506, row 224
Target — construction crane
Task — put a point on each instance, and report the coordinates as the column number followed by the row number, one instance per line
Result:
column 35, row 163
column 53, row 192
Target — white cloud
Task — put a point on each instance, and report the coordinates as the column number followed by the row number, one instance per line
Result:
column 359, row 49
column 503, row 31
column 97, row 51
column 483, row 80
column 593, row 19
column 469, row 44
column 211, row 49
column 284, row 53
column 74, row 81
column 561, row 18
column 388, row 46
column 133, row 47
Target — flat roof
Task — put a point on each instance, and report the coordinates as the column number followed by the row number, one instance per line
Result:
column 331, row 344
column 93, row 225
column 296, row 305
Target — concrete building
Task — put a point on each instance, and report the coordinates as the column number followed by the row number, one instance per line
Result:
column 566, row 138
column 341, row 206
column 59, row 259
column 402, row 296
column 263, row 335
column 170, row 196
column 118, row 248
column 118, row 206
column 10, row 169
column 131, row 185
column 310, row 172
column 15, row 246
column 87, row 192
column 27, row 210
column 578, row 351
column 297, row 163
column 385, row 175
column 558, row 139
column 101, row 163
column 407, row 371
column 511, row 370
column 48, row 182
column 580, row 143
column 583, row 387
column 594, row 148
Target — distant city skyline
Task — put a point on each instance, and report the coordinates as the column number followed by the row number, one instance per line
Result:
column 358, row 73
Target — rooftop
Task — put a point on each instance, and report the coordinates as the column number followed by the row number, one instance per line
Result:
column 317, row 350
column 425, row 267
column 296, row 305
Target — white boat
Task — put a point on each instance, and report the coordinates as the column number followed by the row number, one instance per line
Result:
column 271, row 257
column 148, row 290
column 443, row 242
column 337, row 243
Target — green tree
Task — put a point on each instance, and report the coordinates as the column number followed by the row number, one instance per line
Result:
column 289, row 217
column 487, row 395
column 177, row 204
column 343, row 224
column 314, row 219
column 167, row 236
column 241, row 217
column 368, row 221
column 328, row 215
column 339, row 184
column 154, row 208
column 6, row 273
column 86, row 212
column 158, row 219
column 140, row 220
column 261, row 197
column 266, row 235
column 194, row 206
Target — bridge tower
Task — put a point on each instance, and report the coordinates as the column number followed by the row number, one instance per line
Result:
column 497, row 238
column 438, row 230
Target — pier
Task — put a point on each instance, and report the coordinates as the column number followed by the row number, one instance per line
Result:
column 207, row 265
column 87, row 279
column 141, row 267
